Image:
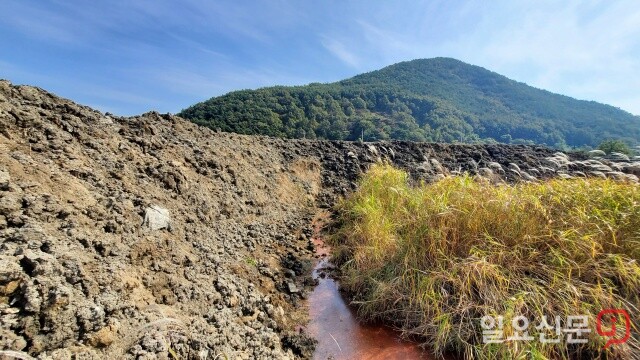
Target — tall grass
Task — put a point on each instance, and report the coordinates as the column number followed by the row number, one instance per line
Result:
column 433, row 259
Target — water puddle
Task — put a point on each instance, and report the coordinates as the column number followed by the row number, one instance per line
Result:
column 340, row 336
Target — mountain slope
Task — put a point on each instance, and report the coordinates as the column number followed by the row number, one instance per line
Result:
column 437, row 99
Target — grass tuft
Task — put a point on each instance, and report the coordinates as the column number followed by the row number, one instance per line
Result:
column 433, row 259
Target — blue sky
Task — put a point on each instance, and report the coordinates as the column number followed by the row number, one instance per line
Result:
column 129, row 57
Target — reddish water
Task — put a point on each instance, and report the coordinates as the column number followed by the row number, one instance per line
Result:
column 340, row 335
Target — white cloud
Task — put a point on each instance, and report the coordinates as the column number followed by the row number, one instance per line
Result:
column 340, row 50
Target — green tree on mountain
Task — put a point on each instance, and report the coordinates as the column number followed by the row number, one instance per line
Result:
column 437, row 99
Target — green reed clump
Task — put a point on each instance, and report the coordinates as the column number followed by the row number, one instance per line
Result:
column 433, row 259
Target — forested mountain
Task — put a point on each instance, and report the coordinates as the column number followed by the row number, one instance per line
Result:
column 438, row 99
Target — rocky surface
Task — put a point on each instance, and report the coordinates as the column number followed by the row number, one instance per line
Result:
column 152, row 238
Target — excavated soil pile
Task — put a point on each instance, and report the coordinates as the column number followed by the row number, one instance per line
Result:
column 150, row 237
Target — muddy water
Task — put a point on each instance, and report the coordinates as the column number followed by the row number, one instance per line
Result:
column 337, row 330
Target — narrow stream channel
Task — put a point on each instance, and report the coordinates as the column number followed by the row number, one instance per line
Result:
column 340, row 336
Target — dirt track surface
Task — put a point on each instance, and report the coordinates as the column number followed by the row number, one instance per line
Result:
column 224, row 276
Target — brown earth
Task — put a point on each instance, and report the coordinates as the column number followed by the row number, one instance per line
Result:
column 83, row 275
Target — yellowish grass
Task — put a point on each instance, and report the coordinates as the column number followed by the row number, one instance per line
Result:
column 433, row 259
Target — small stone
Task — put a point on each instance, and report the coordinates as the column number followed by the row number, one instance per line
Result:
column 4, row 180
column 10, row 287
column 291, row 286
column 233, row 301
column 103, row 337
column 156, row 218
column 10, row 203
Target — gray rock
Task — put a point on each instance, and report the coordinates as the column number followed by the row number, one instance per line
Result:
column 292, row 288
column 156, row 218
column 4, row 180
column 107, row 120
column 10, row 272
column 10, row 202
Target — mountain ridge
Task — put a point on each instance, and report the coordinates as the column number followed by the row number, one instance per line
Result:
column 438, row 99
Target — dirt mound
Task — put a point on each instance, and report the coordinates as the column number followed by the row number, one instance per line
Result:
column 150, row 237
